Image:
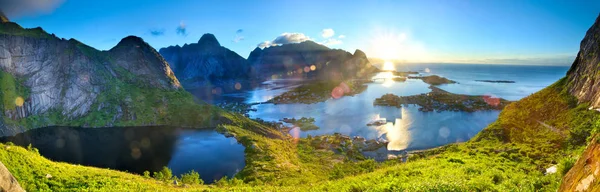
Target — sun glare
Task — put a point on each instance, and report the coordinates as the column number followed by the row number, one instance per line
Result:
column 389, row 66
column 389, row 46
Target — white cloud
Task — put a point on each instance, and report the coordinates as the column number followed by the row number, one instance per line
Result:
column 181, row 29
column 341, row 36
column 332, row 41
column 17, row 8
column 285, row 38
column 327, row 33
column 265, row 44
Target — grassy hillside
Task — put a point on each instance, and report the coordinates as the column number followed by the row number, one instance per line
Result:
column 544, row 129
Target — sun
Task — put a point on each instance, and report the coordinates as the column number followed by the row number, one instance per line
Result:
column 394, row 46
column 388, row 46
column 389, row 66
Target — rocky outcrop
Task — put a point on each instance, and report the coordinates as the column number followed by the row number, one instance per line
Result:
column 584, row 75
column 136, row 56
column 309, row 60
column 3, row 18
column 205, row 62
column 42, row 74
column 8, row 182
column 585, row 174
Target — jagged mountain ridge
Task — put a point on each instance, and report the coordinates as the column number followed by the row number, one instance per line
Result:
column 49, row 81
column 204, row 62
column 584, row 83
column 330, row 64
column 584, row 74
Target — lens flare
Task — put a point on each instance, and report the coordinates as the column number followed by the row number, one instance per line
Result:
column 19, row 101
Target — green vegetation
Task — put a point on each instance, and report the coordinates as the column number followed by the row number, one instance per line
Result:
column 191, row 178
column 441, row 100
column 529, row 136
column 566, row 164
column 320, row 91
column 11, row 88
column 305, row 124
column 434, row 80
column 10, row 28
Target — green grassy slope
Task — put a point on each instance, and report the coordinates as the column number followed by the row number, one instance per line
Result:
column 546, row 128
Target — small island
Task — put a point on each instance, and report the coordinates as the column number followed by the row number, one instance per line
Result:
column 320, row 91
column 441, row 100
column 433, row 80
column 305, row 124
column 397, row 73
column 495, row 81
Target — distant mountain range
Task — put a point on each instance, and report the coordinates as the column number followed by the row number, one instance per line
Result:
column 46, row 81
column 207, row 62
column 309, row 60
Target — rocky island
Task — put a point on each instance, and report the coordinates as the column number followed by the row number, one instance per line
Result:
column 305, row 124
column 441, row 100
column 320, row 91
column 433, row 80
column 495, row 81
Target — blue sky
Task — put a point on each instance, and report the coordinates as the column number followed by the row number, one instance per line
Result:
column 503, row 31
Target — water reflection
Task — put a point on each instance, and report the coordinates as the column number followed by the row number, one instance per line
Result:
column 396, row 133
column 350, row 116
column 139, row 149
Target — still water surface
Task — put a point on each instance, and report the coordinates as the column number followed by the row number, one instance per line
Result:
column 137, row 149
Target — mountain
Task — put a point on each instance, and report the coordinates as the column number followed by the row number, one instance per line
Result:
column 296, row 59
column 584, row 75
column 3, row 18
column 583, row 81
column 204, row 62
column 49, row 81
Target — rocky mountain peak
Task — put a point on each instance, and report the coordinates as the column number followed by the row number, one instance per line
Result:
column 584, row 75
column 139, row 58
column 209, row 40
column 132, row 41
column 3, row 18
column 360, row 54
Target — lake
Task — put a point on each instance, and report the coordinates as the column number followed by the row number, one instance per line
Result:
column 139, row 149
column 406, row 128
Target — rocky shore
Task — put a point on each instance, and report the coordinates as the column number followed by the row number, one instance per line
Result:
column 320, row 91
column 433, row 79
column 440, row 100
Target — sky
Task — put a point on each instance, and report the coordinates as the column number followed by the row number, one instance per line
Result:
column 461, row 31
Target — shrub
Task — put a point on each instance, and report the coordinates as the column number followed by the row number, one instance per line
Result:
column 565, row 165
column 191, row 178
column 165, row 174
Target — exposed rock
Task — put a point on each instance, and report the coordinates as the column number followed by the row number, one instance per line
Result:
column 3, row 18
column 139, row 58
column 8, row 183
column 296, row 60
column 495, row 81
column 585, row 174
column 206, row 61
column 434, row 80
column 584, row 75
column 66, row 77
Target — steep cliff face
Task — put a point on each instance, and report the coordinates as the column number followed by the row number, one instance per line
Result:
column 585, row 174
column 206, row 61
column 584, row 75
column 8, row 182
column 297, row 59
column 46, row 81
column 136, row 56
column 3, row 18
column 584, row 83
